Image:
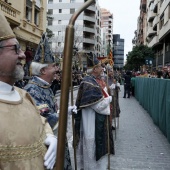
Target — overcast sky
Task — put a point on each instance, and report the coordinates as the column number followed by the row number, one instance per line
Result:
column 125, row 14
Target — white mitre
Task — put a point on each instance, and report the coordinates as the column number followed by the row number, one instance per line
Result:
column 8, row 93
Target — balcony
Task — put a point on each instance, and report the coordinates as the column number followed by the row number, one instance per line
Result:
column 151, row 16
column 89, row 40
column 143, row 5
column 155, row 22
column 163, row 6
column 149, row 2
column 164, row 30
column 155, row 6
column 89, row 18
column 12, row 14
column 154, row 41
column 87, row 29
column 92, row 8
column 31, row 28
column 150, row 32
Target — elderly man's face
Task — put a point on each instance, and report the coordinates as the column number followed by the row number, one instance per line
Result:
column 11, row 59
column 50, row 72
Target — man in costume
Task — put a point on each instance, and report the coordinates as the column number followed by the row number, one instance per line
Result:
column 90, row 122
column 25, row 135
column 44, row 70
column 114, row 88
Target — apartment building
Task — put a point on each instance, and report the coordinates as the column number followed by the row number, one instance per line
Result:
column 140, row 33
column 107, row 31
column 118, row 51
column 27, row 18
column 158, row 30
column 87, row 27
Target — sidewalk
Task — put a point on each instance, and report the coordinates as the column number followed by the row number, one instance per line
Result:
column 139, row 144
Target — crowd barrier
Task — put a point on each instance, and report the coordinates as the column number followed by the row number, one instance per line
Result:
column 154, row 96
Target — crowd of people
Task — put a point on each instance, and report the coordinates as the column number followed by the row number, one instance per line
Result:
column 30, row 142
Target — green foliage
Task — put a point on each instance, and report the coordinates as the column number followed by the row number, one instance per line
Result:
column 138, row 56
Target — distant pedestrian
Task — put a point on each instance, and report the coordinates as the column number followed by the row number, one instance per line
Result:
column 127, row 84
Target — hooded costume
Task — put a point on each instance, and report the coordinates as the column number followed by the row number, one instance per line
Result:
column 22, row 129
column 90, row 123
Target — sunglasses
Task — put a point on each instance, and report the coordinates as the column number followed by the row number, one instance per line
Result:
column 17, row 47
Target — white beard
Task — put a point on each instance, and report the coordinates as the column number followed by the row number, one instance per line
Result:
column 18, row 73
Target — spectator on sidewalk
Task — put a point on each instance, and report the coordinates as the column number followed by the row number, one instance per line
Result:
column 27, row 141
column 90, row 122
column 44, row 71
column 127, row 84
column 29, row 58
column 114, row 88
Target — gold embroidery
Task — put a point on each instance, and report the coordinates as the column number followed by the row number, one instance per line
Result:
column 14, row 153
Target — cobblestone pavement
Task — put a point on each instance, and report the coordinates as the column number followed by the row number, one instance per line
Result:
column 139, row 144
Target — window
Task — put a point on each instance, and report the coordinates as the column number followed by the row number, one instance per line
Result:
column 28, row 14
column 50, row 11
column 72, row 10
column 59, row 32
column 59, row 44
column 36, row 17
column 59, row 21
column 60, row 0
column 50, row 1
column 60, row 10
column 50, row 22
column 72, row 1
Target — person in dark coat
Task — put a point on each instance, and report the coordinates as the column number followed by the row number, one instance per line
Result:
column 127, row 83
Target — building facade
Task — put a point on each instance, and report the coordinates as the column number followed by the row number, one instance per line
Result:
column 158, row 31
column 27, row 18
column 87, row 27
column 107, row 31
column 118, row 51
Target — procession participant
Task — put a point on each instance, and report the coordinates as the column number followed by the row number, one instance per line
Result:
column 25, row 135
column 114, row 88
column 90, row 121
column 44, row 69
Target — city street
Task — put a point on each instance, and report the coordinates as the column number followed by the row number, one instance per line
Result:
column 139, row 144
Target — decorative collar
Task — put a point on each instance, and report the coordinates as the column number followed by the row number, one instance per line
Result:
column 39, row 82
column 8, row 93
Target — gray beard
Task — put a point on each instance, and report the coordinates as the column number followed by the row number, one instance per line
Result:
column 18, row 73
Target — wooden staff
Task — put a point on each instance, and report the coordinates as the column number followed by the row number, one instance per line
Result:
column 68, row 49
column 108, row 134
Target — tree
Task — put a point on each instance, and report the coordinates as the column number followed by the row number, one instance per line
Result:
column 138, row 56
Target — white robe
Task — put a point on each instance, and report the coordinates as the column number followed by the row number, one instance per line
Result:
column 86, row 159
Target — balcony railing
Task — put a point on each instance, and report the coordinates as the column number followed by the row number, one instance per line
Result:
column 89, row 40
column 10, row 12
column 151, row 16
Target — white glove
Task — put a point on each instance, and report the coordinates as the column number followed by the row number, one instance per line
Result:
column 72, row 109
column 50, row 156
column 110, row 99
column 112, row 86
column 118, row 84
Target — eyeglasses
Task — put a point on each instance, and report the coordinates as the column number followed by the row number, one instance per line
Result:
column 17, row 47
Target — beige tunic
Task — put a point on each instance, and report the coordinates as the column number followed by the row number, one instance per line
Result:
column 22, row 135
